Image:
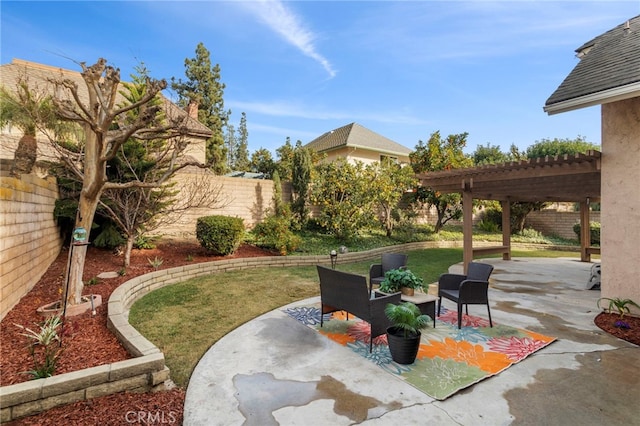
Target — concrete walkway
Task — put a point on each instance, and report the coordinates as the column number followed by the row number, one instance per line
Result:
column 275, row 371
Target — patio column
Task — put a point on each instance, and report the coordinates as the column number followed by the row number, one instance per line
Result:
column 585, row 232
column 506, row 227
column 467, row 225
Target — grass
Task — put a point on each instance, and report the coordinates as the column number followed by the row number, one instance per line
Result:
column 185, row 319
column 318, row 243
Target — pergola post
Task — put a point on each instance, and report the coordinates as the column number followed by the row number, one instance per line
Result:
column 506, row 228
column 467, row 226
column 585, row 231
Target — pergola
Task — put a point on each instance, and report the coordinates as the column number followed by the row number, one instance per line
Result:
column 568, row 178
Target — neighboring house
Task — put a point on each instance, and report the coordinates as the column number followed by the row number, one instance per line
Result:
column 355, row 142
column 39, row 76
column 608, row 74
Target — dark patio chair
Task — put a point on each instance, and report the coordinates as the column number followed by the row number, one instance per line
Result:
column 470, row 289
column 389, row 261
column 343, row 291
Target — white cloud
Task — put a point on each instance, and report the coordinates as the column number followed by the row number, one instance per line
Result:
column 289, row 26
column 296, row 110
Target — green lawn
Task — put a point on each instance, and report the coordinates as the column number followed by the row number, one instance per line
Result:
column 185, row 319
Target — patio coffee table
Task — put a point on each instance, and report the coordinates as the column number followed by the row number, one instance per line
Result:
column 425, row 302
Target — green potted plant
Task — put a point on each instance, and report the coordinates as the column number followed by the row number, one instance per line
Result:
column 403, row 336
column 400, row 280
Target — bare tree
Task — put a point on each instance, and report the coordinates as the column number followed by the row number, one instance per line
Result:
column 107, row 126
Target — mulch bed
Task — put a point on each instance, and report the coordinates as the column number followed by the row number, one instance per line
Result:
column 607, row 321
column 86, row 341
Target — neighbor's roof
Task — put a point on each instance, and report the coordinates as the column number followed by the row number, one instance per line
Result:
column 356, row 136
column 609, row 70
column 39, row 76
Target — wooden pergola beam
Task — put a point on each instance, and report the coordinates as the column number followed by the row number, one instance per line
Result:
column 568, row 178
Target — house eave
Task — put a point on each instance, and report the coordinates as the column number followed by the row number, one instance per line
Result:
column 603, row 97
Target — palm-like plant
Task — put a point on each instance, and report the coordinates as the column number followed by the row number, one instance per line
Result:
column 28, row 110
column 407, row 317
column 620, row 305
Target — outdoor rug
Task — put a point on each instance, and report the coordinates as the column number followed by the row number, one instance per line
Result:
column 448, row 359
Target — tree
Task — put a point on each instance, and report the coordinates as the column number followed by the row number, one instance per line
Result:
column 261, row 162
column 231, row 142
column 553, row 147
column 141, row 209
column 285, row 160
column 490, row 154
column 300, row 181
column 390, row 182
column 203, row 86
column 107, row 127
column 344, row 193
column 437, row 155
column 26, row 109
column 241, row 152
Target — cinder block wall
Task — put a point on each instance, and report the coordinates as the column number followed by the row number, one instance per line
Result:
column 249, row 199
column 560, row 223
column 29, row 237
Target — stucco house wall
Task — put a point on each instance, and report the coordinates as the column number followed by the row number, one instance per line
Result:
column 620, row 220
column 353, row 154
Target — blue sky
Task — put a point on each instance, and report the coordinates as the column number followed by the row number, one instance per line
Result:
column 299, row 69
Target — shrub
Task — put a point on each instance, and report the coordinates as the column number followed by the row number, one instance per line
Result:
column 494, row 216
column 274, row 233
column 220, row 235
column 487, row 226
column 594, row 229
column 145, row 242
column 109, row 237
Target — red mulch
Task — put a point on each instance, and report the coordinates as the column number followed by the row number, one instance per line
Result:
column 606, row 321
column 86, row 341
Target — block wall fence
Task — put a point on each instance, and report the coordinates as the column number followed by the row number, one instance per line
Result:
column 29, row 237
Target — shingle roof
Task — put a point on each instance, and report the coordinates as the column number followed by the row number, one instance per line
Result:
column 39, row 75
column 609, row 69
column 355, row 135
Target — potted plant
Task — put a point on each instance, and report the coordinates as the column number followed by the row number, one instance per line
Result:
column 403, row 336
column 400, row 280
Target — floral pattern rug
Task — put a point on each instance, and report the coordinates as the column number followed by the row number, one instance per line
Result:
column 448, row 359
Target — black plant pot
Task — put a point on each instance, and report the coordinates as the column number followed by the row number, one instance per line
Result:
column 403, row 349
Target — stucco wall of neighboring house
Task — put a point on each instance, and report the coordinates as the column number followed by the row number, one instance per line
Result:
column 621, row 200
column 360, row 154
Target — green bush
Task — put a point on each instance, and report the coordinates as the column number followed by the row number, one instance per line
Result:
column 109, row 237
column 594, row 229
column 220, row 235
column 492, row 216
column 274, row 233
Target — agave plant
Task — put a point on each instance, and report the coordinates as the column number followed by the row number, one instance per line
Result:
column 620, row 305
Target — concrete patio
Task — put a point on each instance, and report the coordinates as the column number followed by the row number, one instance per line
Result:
column 274, row 370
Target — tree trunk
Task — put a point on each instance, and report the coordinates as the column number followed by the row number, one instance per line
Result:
column 25, row 156
column 86, row 210
column 127, row 250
